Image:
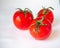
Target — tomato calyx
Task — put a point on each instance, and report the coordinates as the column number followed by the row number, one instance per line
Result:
column 27, row 10
column 45, row 10
column 39, row 23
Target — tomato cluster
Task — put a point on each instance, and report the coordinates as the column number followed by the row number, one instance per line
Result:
column 40, row 27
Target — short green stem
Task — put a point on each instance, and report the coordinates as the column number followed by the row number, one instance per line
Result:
column 38, row 23
column 45, row 10
column 50, row 8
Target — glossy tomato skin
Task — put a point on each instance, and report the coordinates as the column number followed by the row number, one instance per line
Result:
column 22, row 20
column 49, row 15
column 43, row 31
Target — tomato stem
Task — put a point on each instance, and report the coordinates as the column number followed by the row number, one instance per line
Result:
column 45, row 10
column 50, row 8
column 42, row 19
column 39, row 23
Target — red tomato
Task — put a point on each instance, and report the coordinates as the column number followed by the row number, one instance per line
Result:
column 47, row 13
column 22, row 19
column 40, row 29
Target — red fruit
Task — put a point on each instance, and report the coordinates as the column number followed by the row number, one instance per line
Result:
column 47, row 13
column 22, row 19
column 40, row 29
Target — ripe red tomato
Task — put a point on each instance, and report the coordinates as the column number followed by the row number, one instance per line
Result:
column 47, row 13
column 40, row 29
column 22, row 19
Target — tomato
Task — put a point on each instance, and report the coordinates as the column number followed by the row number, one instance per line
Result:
column 47, row 13
column 40, row 29
column 22, row 18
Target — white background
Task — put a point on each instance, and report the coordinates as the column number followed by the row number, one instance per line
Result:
column 11, row 37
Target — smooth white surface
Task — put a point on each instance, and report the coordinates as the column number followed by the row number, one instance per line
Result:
column 11, row 37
